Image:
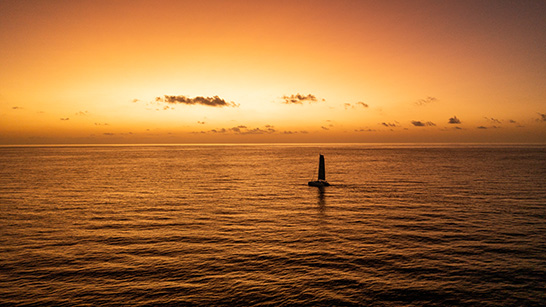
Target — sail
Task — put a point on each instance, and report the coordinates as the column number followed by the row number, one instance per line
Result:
column 321, row 169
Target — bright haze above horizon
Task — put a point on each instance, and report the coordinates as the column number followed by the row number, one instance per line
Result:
column 76, row 72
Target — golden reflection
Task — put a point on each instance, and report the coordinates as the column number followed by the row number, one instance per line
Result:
column 321, row 199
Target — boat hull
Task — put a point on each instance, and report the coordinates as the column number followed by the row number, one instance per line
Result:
column 318, row 183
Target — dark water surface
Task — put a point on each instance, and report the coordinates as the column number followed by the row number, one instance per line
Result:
column 238, row 225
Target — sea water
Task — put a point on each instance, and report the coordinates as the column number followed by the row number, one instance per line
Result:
column 217, row 225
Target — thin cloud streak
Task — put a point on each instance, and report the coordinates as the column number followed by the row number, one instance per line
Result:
column 348, row 105
column 493, row 120
column 426, row 101
column 365, row 105
column 241, row 129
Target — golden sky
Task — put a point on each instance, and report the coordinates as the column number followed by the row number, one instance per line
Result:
column 92, row 72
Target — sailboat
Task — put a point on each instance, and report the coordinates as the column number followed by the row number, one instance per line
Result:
column 321, row 182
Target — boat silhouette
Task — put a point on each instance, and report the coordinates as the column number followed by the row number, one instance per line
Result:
column 321, row 182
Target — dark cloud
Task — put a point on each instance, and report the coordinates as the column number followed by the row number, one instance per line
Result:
column 493, row 120
column 214, row 101
column 101, row 124
column 389, row 124
column 454, row 120
column 325, row 128
column 542, row 117
column 200, row 122
column 299, row 99
column 481, row 127
column 17, row 108
column 65, row 118
column 418, row 123
column 109, row 133
column 425, row 101
column 364, row 130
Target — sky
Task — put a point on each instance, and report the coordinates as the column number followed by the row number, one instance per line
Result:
column 157, row 72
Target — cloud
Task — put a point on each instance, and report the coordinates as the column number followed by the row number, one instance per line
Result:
column 223, row 130
column 425, row 101
column 390, row 124
column 82, row 113
column 418, row 123
column 518, row 125
column 65, row 118
column 493, row 120
column 200, row 122
column 542, row 117
column 295, row 132
column 364, row 130
column 101, row 124
column 214, row 101
column 109, row 133
column 238, row 128
column 241, row 129
column 299, row 99
column 348, row 105
column 325, row 128
column 259, row 131
column 454, row 120
column 365, row 105
column 483, row 127
column 17, row 108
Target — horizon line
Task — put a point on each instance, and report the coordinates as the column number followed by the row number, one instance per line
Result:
column 276, row 143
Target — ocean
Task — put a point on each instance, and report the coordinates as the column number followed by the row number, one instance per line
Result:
column 219, row 225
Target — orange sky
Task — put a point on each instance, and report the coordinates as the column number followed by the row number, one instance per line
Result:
column 282, row 71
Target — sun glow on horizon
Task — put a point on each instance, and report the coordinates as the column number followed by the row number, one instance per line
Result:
column 92, row 72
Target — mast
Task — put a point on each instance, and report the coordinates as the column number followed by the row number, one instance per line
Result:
column 322, row 169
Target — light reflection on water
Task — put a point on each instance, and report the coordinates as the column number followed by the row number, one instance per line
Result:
column 217, row 225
